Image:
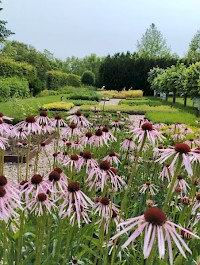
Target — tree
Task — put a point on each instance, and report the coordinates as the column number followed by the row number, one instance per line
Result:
column 193, row 53
column 4, row 32
column 152, row 44
column 88, row 78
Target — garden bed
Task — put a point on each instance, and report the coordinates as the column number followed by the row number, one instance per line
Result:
column 14, row 158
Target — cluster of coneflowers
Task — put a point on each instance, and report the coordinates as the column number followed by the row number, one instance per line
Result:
column 100, row 176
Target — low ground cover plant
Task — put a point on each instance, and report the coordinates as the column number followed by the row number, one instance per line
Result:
column 113, row 192
column 122, row 94
column 58, row 106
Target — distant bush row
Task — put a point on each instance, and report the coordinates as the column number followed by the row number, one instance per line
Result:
column 13, row 87
column 122, row 94
column 57, row 79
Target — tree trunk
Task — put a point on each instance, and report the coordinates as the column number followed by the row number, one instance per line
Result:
column 185, row 100
column 174, row 97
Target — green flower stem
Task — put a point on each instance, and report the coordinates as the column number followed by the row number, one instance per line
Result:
column 170, row 190
column 40, row 237
column 69, row 239
column 28, row 155
column 4, row 243
column 20, row 239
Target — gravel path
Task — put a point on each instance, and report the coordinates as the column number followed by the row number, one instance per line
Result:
column 135, row 119
column 111, row 102
column 74, row 109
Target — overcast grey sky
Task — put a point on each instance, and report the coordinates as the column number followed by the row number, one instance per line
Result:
column 82, row 27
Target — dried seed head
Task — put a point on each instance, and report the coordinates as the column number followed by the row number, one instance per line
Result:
column 74, row 186
column 42, row 197
column 36, row 179
column 105, row 201
column 155, row 216
column 147, row 126
column 2, row 191
column 104, row 165
column 182, row 148
column 30, row 119
column 54, row 176
column 3, row 181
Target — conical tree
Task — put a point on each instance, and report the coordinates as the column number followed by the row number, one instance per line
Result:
column 152, row 44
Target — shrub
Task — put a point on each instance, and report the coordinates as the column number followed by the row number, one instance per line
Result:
column 90, row 95
column 9, row 68
column 88, row 78
column 58, row 106
column 46, row 92
column 13, row 87
column 122, row 94
column 81, row 102
column 58, row 79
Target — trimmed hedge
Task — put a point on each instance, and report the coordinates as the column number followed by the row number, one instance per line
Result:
column 58, row 106
column 58, row 79
column 122, row 94
column 13, row 87
column 10, row 68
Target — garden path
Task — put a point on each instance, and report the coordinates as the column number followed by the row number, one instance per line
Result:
column 111, row 102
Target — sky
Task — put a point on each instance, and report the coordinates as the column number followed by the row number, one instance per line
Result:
column 81, row 27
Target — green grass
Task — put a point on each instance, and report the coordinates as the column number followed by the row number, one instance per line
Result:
column 170, row 118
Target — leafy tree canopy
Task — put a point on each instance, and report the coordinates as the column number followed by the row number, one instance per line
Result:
column 4, row 32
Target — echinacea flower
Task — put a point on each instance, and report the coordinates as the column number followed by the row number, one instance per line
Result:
column 44, row 121
column 3, row 117
column 155, row 224
column 79, row 119
column 30, row 125
column 87, row 160
column 71, row 131
column 147, row 130
column 112, row 158
column 197, row 203
column 108, row 135
column 180, row 182
column 58, row 121
column 179, row 150
column 128, row 144
column 3, row 143
column 72, row 162
column 85, row 139
column 57, row 180
column 148, row 186
column 74, row 197
column 99, row 139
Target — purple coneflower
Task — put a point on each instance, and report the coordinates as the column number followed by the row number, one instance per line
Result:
column 167, row 173
column 128, row 144
column 108, row 135
column 79, row 119
column 30, row 125
column 180, row 182
column 112, row 158
column 71, row 131
column 87, row 160
column 3, row 143
column 98, row 139
column 179, row 150
column 72, row 162
column 148, row 186
column 85, row 139
column 58, row 121
column 155, row 224
column 3, row 117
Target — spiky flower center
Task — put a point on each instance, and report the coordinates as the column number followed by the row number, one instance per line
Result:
column 1, row 122
column 104, row 165
column 43, row 113
column 78, row 113
column 43, row 144
column 58, row 169
column 105, row 201
column 198, row 196
column 57, row 117
column 98, row 132
column 3, row 181
column 54, row 176
column 147, row 126
column 88, row 134
column 148, row 183
column 74, row 186
column 87, row 155
column 2, row 191
column 112, row 154
column 36, row 179
column 155, row 216
column 72, row 126
column 23, row 182
column 182, row 148
column 114, row 214
column 74, row 157
column 30, row 119
column 179, row 177
column 42, row 197
column 105, row 129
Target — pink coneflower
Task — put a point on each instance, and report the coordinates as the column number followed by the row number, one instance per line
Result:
column 40, row 204
column 193, row 143
column 35, row 186
column 108, row 135
column 9, row 200
column 159, row 125
column 179, row 150
column 117, row 123
column 79, row 119
column 5, row 129
column 155, row 223
column 128, row 144
column 87, row 160
column 148, row 186
column 178, row 137
column 58, row 121
column 180, row 182
column 98, row 139
column 167, row 173
column 57, row 180
column 75, row 261
column 75, row 198
column 85, row 139
column 44, row 121
column 188, row 131
column 112, row 158
column 19, row 133
column 105, row 209
column 77, row 145
column 30, row 125
column 147, row 130
column 197, row 203
column 3, row 117
column 99, row 176
column 72, row 162
column 71, row 131
column 3, row 143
